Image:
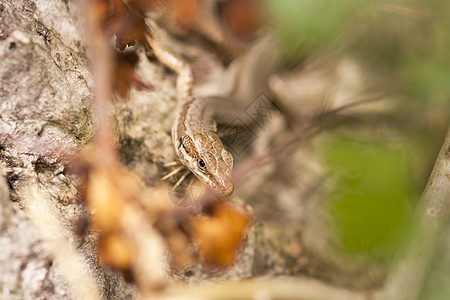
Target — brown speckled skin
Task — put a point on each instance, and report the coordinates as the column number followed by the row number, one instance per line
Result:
column 206, row 146
column 194, row 130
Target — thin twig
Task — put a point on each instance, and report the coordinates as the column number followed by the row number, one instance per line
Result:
column 266, row 288
column 101, row 58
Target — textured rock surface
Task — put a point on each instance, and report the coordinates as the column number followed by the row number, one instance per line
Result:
column 45, row 104
column 27, row 272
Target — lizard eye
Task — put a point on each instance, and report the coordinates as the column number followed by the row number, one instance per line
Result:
column 201, row 165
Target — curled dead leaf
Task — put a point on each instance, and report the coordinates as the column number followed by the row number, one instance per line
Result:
column 185, row 11
column 220, row 234
column 104, row 198
column 242, row 17
column 125, row 75
column 114, row 250
column 109, row 191
column 119, row 19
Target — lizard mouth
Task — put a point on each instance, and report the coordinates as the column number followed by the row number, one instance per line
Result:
column 222, row 185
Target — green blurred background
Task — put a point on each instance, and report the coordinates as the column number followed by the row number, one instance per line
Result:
column 379, row 177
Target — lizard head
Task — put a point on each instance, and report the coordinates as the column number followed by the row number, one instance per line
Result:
column 206, row 157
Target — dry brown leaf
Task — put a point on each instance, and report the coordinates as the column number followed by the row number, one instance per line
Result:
column 105, row 197
column 220, row 234
column 119, row 19
column 144, row 5
column 185, row 11
column 114, row 250
column 109, row 189
column 127, row 24
column 125, row 75
column 242, row 17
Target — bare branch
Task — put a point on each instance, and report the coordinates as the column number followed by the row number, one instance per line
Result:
column 101, row 60
column 280, row 288
column 406, row 280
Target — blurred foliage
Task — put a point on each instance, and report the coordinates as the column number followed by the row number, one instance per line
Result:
column 407, row 44
column 407, row 40
column 303, row 26
column 374, row 190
